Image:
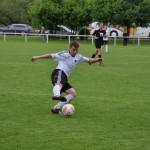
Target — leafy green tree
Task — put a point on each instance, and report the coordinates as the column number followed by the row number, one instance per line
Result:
column 15, row 11
column 143, row 16
column 50, row 13
column 122, row 12
column 100, row 10
column 127, row 12
column 47, row 13
column 77, row 14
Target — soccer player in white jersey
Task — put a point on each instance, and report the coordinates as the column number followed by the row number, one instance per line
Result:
column 67, row 60
column 105, row 39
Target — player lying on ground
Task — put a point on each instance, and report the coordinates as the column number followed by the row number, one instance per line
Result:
column 67, row 60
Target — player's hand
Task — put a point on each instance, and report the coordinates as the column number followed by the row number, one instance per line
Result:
column 96, row 37
column 34, row 58
column 101, row 60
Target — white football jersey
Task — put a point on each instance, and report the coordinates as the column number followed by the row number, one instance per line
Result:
column 66, row 62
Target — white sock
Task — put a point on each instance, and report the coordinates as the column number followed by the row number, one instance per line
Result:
column 106, row 48
column 59, row 105
column 69, row 97
column 56, row 90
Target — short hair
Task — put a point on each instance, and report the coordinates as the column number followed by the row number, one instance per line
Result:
column 101, row 23
column 74, row 43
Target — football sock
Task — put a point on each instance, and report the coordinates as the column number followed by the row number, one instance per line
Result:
column 69, row 97
column 93, row 56
column 99, row 56
column 59, row 105
column 56, row 90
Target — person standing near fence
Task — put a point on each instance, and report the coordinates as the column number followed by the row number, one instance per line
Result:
column 98, row 35
column 42, row 32
column 125, row 39
column 105, row 38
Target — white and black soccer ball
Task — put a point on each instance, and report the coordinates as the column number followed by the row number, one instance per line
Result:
column 68, row 110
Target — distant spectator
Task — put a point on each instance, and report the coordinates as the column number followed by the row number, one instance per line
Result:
column 125, row 39
column 42, row 32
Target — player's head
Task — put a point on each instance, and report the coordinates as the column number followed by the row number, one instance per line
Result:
column 74, row 48
column 105, row 27
column 101, row 25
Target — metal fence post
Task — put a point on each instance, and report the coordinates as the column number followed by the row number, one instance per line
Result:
column 47, row 38
column 4, row 37
column 114, row 40
column 138, row 41
column 69, row 39
column 26, row 38
column 92, row 40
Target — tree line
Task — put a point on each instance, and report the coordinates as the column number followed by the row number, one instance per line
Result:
column 74, row 13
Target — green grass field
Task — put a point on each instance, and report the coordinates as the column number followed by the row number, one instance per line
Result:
column 112, row 104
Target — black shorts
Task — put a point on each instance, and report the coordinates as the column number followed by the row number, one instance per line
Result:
column 105, row 42
column 58, row 76
column 98, row 44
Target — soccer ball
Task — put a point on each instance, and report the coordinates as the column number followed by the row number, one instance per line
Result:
column 68, row 110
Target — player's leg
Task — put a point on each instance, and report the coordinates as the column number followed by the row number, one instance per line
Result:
column 95, row 53
column 71, row 94
column 100, row 52
column 100, row 55
column 56, row 89
column 59, row 79
column 99, row 49
column 106, row 46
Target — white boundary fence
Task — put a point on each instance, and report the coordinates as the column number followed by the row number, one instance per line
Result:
column 90, row 37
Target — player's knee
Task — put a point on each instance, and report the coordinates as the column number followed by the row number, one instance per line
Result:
column 72, row 92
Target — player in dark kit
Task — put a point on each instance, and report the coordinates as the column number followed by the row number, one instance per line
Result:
column 98, row 35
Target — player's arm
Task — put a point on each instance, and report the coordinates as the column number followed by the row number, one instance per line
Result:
column 46, row 56
column 94, row 60
column 94, row 35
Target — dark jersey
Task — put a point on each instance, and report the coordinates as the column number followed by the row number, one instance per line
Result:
column 100, row 34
